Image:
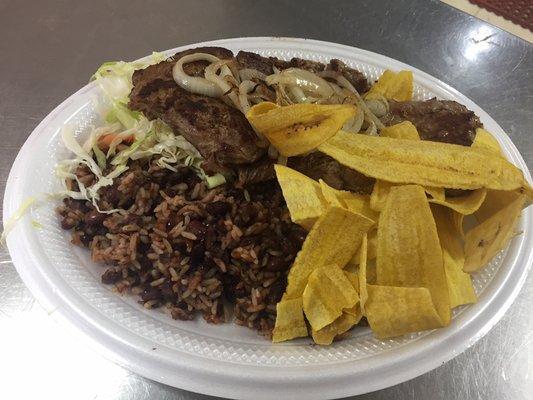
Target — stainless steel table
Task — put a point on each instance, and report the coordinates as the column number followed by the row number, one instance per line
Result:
column 49, row 49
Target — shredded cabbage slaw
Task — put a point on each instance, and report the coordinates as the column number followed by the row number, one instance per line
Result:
column 150, row 137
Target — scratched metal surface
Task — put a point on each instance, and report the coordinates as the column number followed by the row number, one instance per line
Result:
column 50, row 48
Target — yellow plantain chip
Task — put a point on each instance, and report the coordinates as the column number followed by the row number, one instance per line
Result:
column 494, row 202
column 381, row 189
column 353, row 278
column 355, row 202
column 345, row 322
column 371, row 248
column 403, row 130
column 394, row 311
column 485, row 240
column 327, row 293
column 393, row 85
column 290, row 322
column 484, row 140
column 466, row 204
column 408, row 251
column 331, row 195
column 299, row 128
column 423, row 162
column 458, row 220
column 303, row 196
column 261, row 108
column 363, row 292
column 334, row 239
column 460, row 286
column 435, row 193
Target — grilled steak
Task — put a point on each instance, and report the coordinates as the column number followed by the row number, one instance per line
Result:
column 250, row 60
column 356, row 78
column 260, row 171
column 220, row 132
column 436, row 120
column 264, row 65
column 321, row 166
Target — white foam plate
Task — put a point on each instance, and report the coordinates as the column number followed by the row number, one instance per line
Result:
column 227, row 360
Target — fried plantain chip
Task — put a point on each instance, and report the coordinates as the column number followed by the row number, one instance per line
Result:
column 348, row 318
column 331, row 195
column 290, row 322
column 423, row 162
column 484, row 140
column 394, row 311
column 466, row 204
column 355, row 202
column 299, row 128
column 371, row 248
column 381, row 190
column 403, row 130
column 494, row 202
column 363, row 292
column 334, row 239
column 411, row 291
column 393, row 85
column 485, row 240
column 327, row 293
column 460, row 286
column 458, row 220
column 344, row 323
column 302, row 194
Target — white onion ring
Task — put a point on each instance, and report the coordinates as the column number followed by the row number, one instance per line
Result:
column 306, row 80
column 355, row 123
column 371, row 130
column 219, row 80
column 343, row 82
column 195, row 84
column 298, row 94
column 244, row 89
column 379, row 107
column 247, row 74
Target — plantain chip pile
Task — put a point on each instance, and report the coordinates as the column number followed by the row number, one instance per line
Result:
column 401, row 257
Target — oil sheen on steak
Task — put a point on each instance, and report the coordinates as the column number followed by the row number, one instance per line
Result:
column 437, row 120
column 265, row 65
column 220, row 132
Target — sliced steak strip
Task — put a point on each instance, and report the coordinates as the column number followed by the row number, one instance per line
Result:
column 356, row 78
column 264, row 65
column 437, row 120
column 250, row 60
column 220, row 132
column 321, row 166
column 260, row 171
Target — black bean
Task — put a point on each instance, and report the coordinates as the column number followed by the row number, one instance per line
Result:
column 276, row 264
column 111, row 276
column 276, row 290
column 197, row 255
column 197, row 228
column 68, row 223
column 150, row 293
column 93, row 218
column 218, row 208
column 166, row 290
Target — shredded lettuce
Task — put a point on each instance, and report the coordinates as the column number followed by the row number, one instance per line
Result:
column 150, row 137
column 114, row 77
column 215, row 180
column 24, row 208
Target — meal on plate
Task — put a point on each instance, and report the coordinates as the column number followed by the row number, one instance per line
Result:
column 296, row 198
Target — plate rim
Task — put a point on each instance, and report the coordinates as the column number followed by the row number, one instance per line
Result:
column 225, row 379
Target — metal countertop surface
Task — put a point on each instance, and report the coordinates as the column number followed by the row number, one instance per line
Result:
column 50, row 48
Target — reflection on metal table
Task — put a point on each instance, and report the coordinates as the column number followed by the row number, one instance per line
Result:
column 52, row 48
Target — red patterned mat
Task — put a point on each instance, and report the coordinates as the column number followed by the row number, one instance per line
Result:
column 518, row 11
